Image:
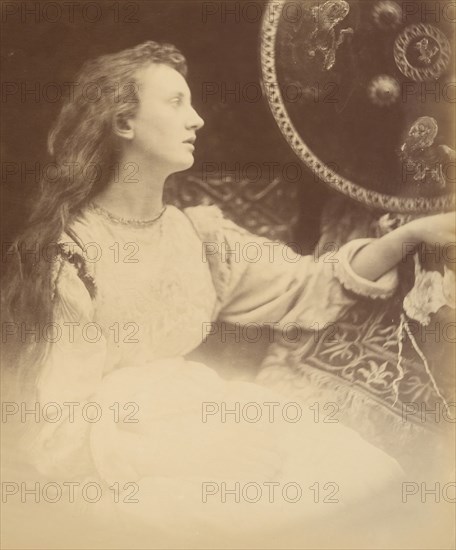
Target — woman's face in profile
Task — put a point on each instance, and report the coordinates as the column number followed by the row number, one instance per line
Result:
column 165, row 122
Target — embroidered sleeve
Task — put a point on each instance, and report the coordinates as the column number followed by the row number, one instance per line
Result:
column 267, row 282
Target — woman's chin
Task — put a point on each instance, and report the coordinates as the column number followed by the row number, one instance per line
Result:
column 184, row 163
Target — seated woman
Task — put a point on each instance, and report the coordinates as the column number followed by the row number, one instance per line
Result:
column 127, row 287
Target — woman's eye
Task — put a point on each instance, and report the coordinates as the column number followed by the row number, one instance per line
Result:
column 176, row 101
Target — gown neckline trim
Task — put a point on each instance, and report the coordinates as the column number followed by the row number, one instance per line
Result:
column 125, row 221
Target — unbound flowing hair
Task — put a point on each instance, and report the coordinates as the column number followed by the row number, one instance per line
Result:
column 83, row 146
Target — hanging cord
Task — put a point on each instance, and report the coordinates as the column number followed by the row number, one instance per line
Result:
column 400, row 340
column 425, row 363
column 400, row 346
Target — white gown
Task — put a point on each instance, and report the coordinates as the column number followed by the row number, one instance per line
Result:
column 157, row 288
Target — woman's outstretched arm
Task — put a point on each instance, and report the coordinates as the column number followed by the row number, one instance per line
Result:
column 381, row 255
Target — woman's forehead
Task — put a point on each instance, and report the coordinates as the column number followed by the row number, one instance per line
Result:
column 159, row 79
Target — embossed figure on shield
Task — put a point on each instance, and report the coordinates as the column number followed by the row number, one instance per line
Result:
column 427, row 163
column 325, row 39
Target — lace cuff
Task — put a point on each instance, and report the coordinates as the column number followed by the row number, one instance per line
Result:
column 383, row 288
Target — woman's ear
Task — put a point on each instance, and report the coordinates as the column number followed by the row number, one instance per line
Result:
column 123, row 126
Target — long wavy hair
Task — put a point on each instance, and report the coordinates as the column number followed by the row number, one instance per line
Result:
column 81, row 137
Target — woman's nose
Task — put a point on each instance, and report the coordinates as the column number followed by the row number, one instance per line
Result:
column 195, row 121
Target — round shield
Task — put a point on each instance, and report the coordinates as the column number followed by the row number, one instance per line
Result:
column 364, row 93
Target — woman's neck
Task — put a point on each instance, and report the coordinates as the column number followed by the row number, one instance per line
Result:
column 135, row 191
